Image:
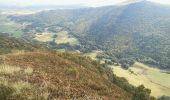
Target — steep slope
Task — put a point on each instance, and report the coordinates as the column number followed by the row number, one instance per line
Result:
column 144, row 17
column 45, row 75
column 142, row 31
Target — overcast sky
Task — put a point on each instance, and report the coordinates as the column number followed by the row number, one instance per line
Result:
column 69, row 2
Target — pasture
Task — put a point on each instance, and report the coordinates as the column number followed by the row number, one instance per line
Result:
column 60, row 38
column 151, row 78
column 63, row 37
column 44, row 37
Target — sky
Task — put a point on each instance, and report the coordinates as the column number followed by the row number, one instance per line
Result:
column 93, row 3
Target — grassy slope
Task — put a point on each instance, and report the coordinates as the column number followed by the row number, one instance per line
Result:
column 152, row 78
column 56, row 75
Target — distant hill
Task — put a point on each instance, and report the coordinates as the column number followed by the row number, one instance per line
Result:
column 138, row 30
column 40, row 7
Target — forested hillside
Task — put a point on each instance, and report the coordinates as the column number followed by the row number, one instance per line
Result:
column 137, row 31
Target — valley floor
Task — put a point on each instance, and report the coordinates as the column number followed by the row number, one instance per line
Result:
column 151, row 78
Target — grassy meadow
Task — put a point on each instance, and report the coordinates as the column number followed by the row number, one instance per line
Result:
column 63, row 37
column 44, row 37
column 151, row 78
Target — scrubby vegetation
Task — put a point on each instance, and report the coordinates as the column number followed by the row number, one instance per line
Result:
column 63, row 75
column 164, row 98
column 58, row 75
column 6, row 92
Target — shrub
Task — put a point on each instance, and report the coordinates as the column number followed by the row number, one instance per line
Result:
column 70, row 71
column 164, row 98
column 5, row 92
column 141, row 93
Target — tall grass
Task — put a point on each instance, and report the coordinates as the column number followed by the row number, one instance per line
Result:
column 7, row 69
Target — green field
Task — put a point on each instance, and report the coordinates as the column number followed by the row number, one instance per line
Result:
column 44, row 37
column 63, row 37
column 151, row 78
column 7, row 26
